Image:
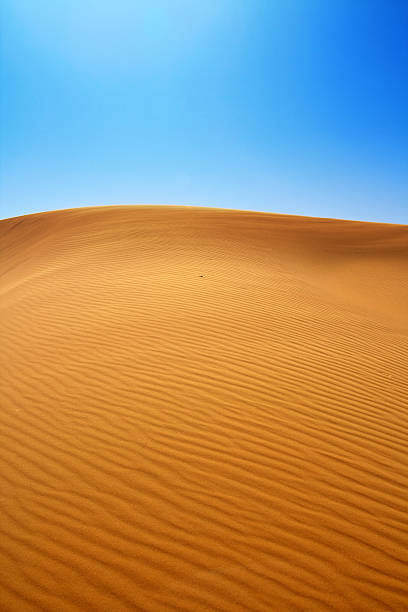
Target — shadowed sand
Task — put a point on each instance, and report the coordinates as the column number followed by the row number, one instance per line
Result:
column 203, row 410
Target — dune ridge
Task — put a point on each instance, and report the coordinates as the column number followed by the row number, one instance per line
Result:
column 203, row 409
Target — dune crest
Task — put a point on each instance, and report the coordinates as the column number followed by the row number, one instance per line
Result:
column 203, row 410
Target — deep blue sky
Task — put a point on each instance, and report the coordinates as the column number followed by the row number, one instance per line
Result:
column 293, row 106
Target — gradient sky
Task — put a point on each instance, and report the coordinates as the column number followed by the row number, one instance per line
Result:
column 290, row 106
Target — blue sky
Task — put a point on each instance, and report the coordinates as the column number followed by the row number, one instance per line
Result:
column 290, row 106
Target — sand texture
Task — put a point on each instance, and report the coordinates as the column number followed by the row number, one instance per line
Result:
column 203, row 410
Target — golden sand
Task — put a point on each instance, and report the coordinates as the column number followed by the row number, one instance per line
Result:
column 203, row 410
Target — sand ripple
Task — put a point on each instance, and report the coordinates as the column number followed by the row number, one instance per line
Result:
column 203, row 410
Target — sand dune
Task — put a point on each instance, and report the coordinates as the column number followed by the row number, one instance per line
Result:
column 203, row 410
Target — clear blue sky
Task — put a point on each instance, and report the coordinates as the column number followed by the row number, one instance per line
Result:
column 292, row 106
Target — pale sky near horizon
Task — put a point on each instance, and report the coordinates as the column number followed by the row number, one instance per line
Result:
column 287, row 106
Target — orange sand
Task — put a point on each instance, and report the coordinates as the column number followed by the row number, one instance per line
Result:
column 203, row 410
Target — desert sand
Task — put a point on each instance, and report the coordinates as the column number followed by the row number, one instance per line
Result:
column 203, row 409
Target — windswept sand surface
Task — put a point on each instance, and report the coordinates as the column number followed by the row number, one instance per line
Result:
column 203, row 410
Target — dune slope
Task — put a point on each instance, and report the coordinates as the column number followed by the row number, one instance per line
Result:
column 203, row 410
